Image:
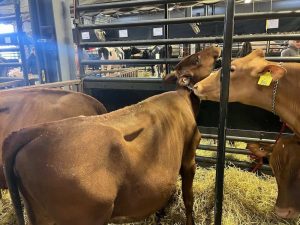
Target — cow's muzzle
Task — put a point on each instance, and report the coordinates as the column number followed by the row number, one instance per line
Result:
column 286, row 213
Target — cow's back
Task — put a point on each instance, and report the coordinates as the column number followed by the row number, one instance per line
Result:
column 23, row 108
column 109, row 157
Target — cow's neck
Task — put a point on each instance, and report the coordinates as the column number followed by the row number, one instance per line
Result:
column 287, row 102
column 191, row 98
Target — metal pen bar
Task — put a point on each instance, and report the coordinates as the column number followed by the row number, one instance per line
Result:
column 228, row 33
column 234, row 138
column 214, row 18
column 10, row 64
column 78, row 36
column 111, row 5
column 242, row 133
column 14, row 34
column 129, row 62
column 21, row 36
column 7, row 18
column 245, row 165
column 239, row 38
column 164, row 61
column 283, row 59
column 166, row 28
column 15, row 49
column 228, row 150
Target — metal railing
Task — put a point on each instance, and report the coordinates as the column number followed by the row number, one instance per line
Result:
column 71, row 85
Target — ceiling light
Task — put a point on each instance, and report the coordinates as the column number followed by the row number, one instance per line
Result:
column 247, row 1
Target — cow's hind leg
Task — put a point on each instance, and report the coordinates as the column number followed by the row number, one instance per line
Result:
column 187, row 171
column 187, row 174
column 36, row 215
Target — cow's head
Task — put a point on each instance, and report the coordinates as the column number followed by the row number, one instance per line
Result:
column 284, row 159
column 195, row 67
column 244, row 77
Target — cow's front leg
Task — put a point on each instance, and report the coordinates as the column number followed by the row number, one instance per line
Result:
column 187, row 174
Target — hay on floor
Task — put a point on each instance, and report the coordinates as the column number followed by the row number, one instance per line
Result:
column 248, row 199
column 229, row 156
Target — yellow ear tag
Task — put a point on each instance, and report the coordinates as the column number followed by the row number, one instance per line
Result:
column 265, row 79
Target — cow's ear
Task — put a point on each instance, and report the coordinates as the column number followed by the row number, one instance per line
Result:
column 260, row 150
column 184, row 80
column 171, row 77
column 276, row 71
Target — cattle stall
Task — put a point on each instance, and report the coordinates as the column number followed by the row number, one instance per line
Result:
column 244, row 123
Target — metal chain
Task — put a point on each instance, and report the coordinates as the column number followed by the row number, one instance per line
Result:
column 275, row 89
column 274, row 96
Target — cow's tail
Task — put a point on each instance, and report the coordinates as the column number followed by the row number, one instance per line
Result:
column 11, row 146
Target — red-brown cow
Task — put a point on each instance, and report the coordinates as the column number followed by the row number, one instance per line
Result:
column 121, row 166
column 285, row 163
column 25, row 107
column 274, row 87
column 278, row 90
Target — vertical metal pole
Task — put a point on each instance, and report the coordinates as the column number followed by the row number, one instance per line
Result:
column 77, row 21
column 35, row 27
column 21, row 37
column 166, row 27
column 225, row 78
column 205, row 10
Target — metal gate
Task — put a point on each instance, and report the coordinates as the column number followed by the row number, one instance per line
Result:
column 157, row 84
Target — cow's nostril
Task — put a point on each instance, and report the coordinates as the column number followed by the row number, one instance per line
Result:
column 196, row 86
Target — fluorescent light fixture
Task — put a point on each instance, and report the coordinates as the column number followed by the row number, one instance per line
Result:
column 247, row 1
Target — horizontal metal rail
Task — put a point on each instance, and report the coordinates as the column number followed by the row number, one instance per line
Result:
column 7, row 18
column 14, row 49
column 234, row 138
column 50, row 85
column 283, row 59
column 111, row 5
column 9, row 35
column 117, row 83
column 130, row 62
column 214, row 18
column 10, row 64
column 238, row 38
column 164, row 61
column 12, row 83
column 228, row 150
column 245, row 165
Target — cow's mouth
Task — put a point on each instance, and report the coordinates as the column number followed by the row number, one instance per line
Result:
column 218, row 63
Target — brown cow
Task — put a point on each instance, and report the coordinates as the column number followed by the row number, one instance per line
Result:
column 121, row 166
column 190, row 66
column 26, row 107
column 280, row 96
column 285, row 163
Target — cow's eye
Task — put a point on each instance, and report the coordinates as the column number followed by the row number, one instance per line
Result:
column 261, row 148
column 232, row 68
